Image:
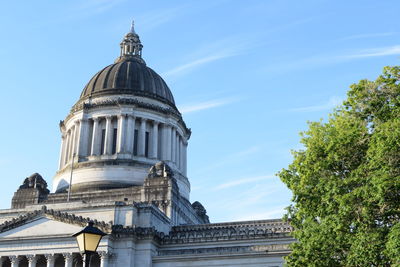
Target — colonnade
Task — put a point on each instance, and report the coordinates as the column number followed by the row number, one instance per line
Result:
column 99, row 259
column 126, row 135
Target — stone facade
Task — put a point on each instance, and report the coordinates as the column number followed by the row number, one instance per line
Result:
column 123, row 166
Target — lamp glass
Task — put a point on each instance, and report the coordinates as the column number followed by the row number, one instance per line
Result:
column 81, row 242
column 91, row 242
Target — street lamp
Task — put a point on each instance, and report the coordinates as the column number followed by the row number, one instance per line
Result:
column 88, row 240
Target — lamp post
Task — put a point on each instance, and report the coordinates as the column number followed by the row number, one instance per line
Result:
column 88, row 240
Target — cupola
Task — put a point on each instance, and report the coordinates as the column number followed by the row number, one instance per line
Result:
column 124, row 122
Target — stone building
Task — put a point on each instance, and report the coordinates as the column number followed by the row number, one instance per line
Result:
column 123, row 166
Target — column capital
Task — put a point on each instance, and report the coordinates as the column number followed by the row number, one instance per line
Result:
column 143, row 119
column 49, row 257
column 77, row 121
column 108, row 117
column 14, row 259
column 95, row 118
column 31, row 258
column 122, row 115
column 67, row 256
column 155, row 123
column 105, row 254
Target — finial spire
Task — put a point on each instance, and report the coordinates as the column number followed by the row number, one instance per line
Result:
column 133, row 27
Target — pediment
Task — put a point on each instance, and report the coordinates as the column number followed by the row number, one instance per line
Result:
column 41, row 227
column 47, row 223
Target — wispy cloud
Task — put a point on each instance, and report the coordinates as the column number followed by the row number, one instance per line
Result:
column 367, row 35
column 197, row 62
column 332, row 103
column 252, row 195
column 218, row 50
column 240, row 155
column 232, row 158
column 90, row 7
column 249, row 151
column 323, row 60
column 189, row 108
column 243, row 181
column 157, row 17
column 376, row 52
column 150, row 20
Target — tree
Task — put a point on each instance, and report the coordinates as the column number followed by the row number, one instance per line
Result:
column 346, row 181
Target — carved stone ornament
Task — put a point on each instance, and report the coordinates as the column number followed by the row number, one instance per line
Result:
column 160, row 169
column 35, row 181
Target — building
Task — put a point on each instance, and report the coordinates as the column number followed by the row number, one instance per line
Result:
column 123, row 166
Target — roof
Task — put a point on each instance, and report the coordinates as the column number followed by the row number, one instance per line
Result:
column 128, row 76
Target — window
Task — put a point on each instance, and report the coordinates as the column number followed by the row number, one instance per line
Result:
column 135, row 143
column 103, row 140
column 114, row 143
column 146, row 144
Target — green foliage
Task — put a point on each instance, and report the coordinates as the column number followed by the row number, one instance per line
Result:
column 346, row 181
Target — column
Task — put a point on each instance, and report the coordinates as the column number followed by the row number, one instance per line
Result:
column 178, row 151
column 68, row 259
column 167, row 142
column 109, row 136
column 173, row 144
column 185, row 158
column 61, row 161
column 50, row 260
column 14, row 261
column 130, row 134
column 181, row 154
column 104, row 256
column 77, row 136
column 82, row 148
column 31, row 260
column 72, row 143
column 154, row 141
column 141, row 137
column 121, row 134
column 95, row 149
column 66, row 149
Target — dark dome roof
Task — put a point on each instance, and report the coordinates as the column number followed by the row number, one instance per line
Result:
column 128, row 76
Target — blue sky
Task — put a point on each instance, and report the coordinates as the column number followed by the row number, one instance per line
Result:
column 247, row 75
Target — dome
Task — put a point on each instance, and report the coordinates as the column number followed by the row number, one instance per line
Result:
column 128, row 76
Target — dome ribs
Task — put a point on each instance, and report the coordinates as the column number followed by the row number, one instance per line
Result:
column 89, row 88
column 129, row 74
column 129, row 77
column 141, row 79
column 105, row 76
column 159, row 86
column 152, row 85
column 134, row 76
column 120, row 75
column 94, row 86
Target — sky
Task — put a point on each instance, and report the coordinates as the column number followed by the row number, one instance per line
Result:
column 247, row 76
